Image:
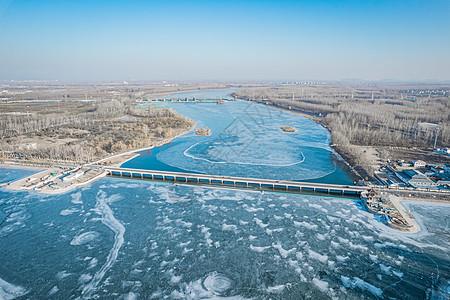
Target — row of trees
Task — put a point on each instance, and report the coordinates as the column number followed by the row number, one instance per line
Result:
column 14, row 125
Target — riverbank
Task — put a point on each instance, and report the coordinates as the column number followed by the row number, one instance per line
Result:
column 388, row 206
column 57, row 180
column 60, row 179
column 408, row 217
column 167, row 94
column 121, row 158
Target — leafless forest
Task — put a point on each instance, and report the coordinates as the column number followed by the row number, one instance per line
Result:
column 64, row 124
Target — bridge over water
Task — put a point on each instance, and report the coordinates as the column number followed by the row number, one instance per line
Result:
column 238, row 182
column 190, row 100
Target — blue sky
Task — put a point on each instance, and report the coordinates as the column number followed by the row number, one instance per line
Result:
column 224, row 40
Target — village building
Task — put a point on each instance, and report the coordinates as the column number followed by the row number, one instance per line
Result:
column 415, row 178
column 419, row 163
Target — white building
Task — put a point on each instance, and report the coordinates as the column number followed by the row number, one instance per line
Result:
column 419, row 163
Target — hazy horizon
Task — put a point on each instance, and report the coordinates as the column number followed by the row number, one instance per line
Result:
column 224, row 40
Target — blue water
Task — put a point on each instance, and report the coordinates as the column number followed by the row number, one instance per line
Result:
column 125, row 239
column 247, row 141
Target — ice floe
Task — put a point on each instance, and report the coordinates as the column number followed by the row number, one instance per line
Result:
column 322, row 285
column 314, row 255
column 9, row 291
column 259, row 249
column 358, row 282
column 284, row 253
column 85, row 238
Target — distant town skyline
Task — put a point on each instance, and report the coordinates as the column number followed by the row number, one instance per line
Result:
column 224, row 40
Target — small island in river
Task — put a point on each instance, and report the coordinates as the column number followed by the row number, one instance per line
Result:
column 203, row 131
column 288, row 129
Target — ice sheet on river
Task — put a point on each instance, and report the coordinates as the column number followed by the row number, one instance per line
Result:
column 247, row 140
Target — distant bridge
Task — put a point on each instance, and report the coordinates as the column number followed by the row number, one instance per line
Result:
column 190, row 100
column 238, row 182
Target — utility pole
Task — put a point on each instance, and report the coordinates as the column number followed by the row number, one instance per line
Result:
column 435, row 137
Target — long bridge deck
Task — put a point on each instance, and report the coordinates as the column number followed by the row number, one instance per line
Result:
column 190, row 100
column 240, row 182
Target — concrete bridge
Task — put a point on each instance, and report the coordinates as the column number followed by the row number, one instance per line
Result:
column 238, row 182
column 191, row 100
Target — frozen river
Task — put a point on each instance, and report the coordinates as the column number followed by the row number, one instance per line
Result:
column 247, row 141
column 119, row 238
column 126, row 239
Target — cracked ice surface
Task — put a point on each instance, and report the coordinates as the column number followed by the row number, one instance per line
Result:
column 140, row 240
